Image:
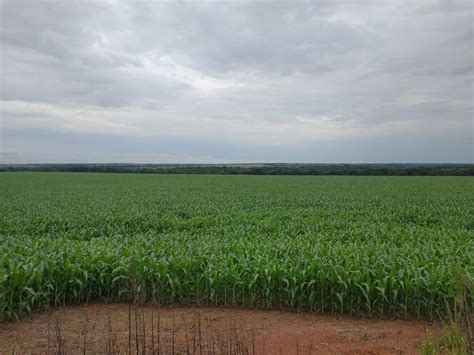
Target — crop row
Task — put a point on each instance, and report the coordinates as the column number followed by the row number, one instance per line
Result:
column 376, row 246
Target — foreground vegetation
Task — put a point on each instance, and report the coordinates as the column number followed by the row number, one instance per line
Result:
column 353, row 245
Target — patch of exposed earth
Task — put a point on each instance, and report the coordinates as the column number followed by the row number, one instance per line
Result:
column 120, row 328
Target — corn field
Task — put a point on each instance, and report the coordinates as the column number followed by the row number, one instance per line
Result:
column 392, row 246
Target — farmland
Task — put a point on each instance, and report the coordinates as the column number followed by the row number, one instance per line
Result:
column 391, row 246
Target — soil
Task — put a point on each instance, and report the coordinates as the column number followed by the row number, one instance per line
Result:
column 121, row 328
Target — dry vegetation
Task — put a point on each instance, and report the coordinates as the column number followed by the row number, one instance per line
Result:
column 124, row 328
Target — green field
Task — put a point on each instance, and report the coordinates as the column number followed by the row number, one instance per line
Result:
column 354, row 245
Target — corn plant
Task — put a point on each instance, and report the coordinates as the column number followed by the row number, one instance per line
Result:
column 343, row 245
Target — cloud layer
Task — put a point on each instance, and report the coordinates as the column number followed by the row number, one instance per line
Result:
column 315, row 81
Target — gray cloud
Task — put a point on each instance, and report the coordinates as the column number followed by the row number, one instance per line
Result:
column 236, row 81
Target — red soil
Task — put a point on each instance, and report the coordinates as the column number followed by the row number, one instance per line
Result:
column 98, row 328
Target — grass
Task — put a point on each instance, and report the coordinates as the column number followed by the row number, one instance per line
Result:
column 346, row 245
column 458, row 333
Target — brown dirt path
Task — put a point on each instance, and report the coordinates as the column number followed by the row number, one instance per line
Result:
column 100, row 328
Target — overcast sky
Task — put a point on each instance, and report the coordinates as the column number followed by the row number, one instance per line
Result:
column 205, row 82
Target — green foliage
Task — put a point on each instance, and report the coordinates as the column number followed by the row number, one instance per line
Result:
column 258, row 169
column 450, row 342
column 352, row 245
column 457, row 337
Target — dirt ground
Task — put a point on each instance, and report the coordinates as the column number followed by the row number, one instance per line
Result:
column 120, row 328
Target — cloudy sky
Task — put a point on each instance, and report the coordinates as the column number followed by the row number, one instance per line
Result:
column 221, row 81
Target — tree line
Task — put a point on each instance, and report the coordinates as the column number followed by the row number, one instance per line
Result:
column 257, row 169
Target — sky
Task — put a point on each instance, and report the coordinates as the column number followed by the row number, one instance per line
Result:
column 235, row 81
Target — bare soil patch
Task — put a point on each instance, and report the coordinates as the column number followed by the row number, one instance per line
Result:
column 120, row 328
